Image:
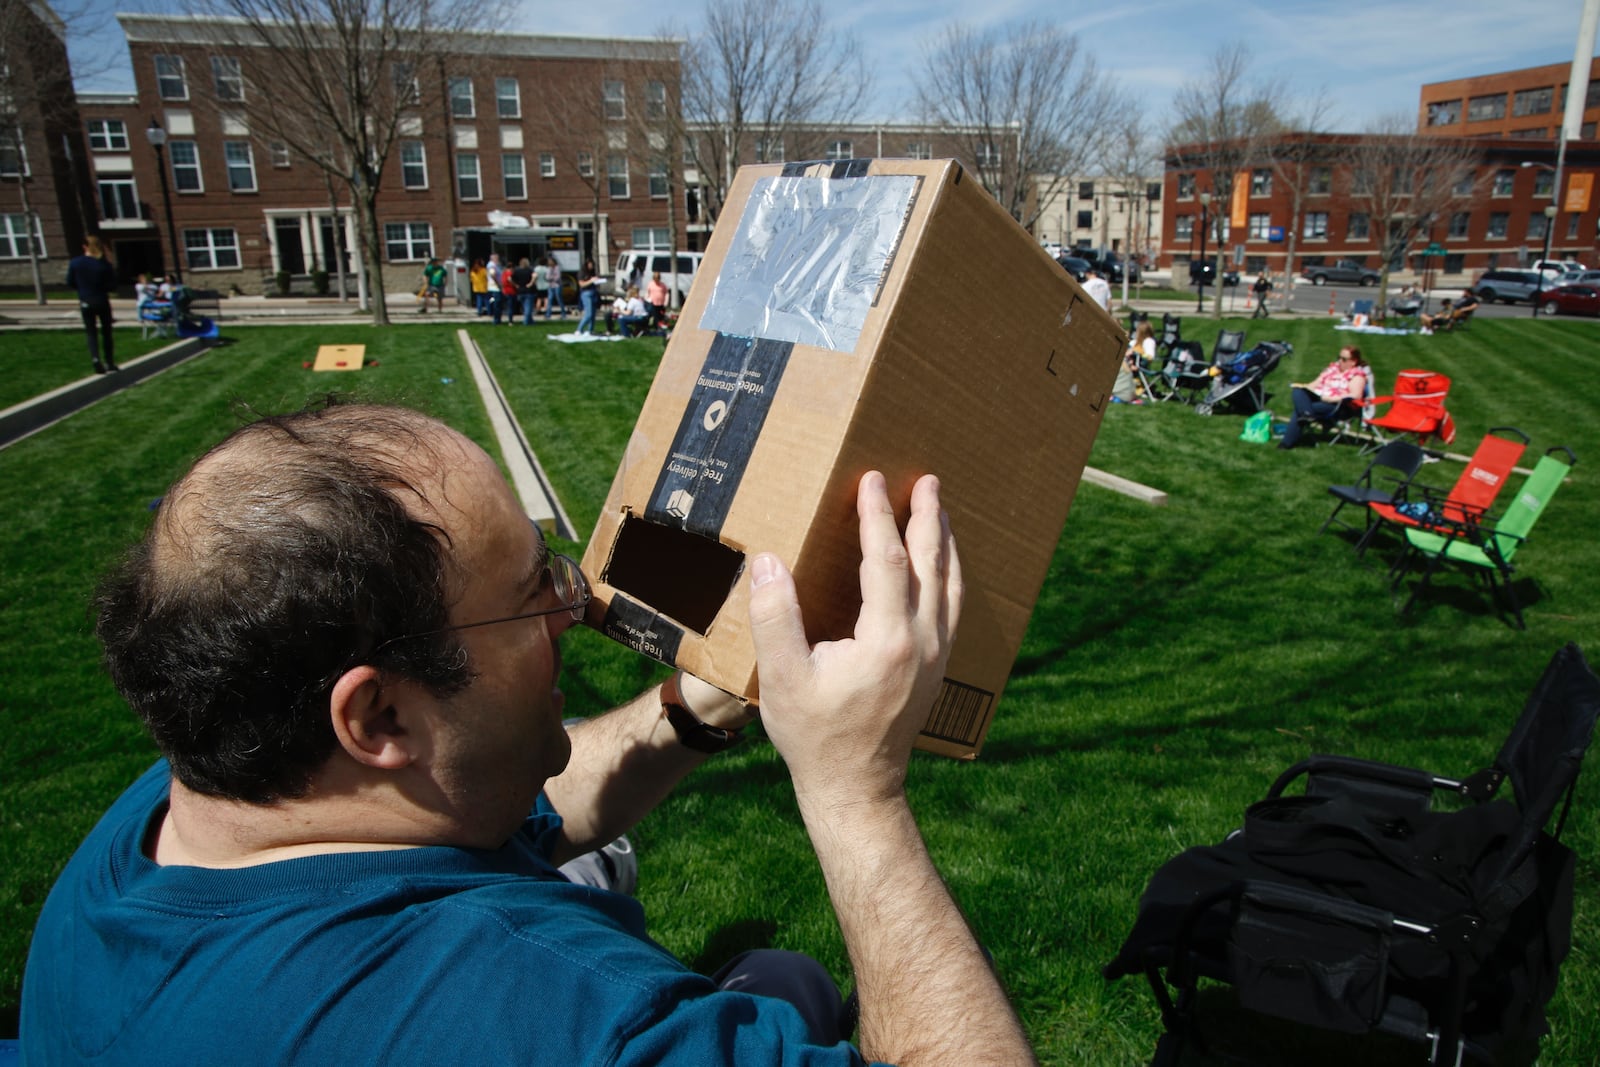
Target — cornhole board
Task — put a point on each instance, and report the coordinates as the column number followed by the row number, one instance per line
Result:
column 340, row 357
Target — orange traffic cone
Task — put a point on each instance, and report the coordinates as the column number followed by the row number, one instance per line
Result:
column 1333, row 298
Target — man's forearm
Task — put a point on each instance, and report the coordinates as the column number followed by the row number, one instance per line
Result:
column 928, row 995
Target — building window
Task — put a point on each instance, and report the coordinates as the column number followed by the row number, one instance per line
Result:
column 185, row 167
column 840, row 150
column 407, row 242
column 617, row 177
column 586, row 164
column 1466, row 186
column 211, row 249
column 461, row 102
column 13, row 154
column 1533, row 101
column 1259, row 226
column 241, row 166
column 468, row 186
column 1486, row 108
column 1544, row 183
column 1444, row 113
column 1360, row 226
column 1316, row 225
column 413, row 165
column 1538, row 226
column 1459, row 222
column 118, row 198
column 279, row 152
column 507, row 98
column 1185, row 187
column 769, row 151
column 108, row 135
column 658, row 181
column 516, row 177
column 988, row 154
column 1320, row 182
column 1503, row 180
column 1499, row 223
column 404, row 78
column 1085, row 220
column 655, row 100
column 1086, row 190
column 1183, row 228
column 14, row 237
column 919, row 150
column 547, row 164
column 616, row 99
column 1572, row 226
column 1261, row 182
column 652, row 237
column 170, row 84
column 226, row 78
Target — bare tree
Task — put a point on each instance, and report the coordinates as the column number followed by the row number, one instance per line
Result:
column 1301, row 160
column 1129, row 157
column 39, row 127
column 1028, row 107
column 339, row 82
column 1408, row 181
column 1222, row 119
column 764, row 77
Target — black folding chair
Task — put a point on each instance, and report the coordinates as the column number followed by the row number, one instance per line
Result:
column 1395, row 464
column 1357, row 907
column 1228, row 345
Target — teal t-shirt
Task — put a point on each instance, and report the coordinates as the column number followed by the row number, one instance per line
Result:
column 426, row 955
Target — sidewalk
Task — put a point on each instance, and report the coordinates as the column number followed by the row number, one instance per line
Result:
column 17, row 314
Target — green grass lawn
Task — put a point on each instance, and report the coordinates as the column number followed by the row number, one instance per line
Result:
column 1178, row 659
column 36, row 361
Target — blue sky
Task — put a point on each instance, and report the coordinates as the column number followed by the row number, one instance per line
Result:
column 1369, row 56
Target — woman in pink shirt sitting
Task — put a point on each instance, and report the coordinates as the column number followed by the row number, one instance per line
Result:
column 1338, row 392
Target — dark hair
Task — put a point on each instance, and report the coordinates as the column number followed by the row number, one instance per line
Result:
column 285, row 557
column 1355, row 353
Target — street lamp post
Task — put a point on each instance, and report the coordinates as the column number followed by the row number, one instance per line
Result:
column 1200, row 297
column 1551, row 212
column 158, row 140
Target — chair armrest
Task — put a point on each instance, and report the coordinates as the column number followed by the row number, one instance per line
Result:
column 1405, row 781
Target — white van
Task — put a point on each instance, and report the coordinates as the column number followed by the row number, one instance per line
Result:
column 635, row 267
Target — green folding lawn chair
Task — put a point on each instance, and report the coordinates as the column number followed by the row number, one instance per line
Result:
column 1487, row 546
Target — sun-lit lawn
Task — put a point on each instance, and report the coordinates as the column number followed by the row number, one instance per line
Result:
column 1178, row 659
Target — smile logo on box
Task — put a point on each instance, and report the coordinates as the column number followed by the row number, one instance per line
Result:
column 715, row 414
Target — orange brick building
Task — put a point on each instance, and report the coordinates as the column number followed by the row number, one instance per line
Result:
column 1527, row 103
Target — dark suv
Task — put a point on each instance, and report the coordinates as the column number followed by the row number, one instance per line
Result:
column 1109, row 264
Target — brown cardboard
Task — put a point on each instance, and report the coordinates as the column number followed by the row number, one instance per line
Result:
column 978, row 359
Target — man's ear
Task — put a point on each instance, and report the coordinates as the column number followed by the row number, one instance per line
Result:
column 369, row 722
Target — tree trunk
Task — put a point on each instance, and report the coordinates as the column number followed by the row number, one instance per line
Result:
column 367, row 225
column 30, row 225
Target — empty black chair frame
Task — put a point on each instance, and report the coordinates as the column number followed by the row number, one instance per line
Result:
column 1171, row 332
column 1396, row 463
column 1356, row 907
column 1228, row 345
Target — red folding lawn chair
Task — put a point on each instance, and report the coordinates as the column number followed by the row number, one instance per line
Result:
column 1467, row 500
column 1415, row 407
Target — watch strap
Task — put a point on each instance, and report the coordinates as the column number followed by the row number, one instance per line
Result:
column 691, row 731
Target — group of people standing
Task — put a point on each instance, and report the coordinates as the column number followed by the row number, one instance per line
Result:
column 499, row 289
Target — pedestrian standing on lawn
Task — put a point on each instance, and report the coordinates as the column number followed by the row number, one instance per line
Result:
column 95, row 279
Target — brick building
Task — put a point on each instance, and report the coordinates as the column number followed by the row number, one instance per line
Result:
column 1527, row 103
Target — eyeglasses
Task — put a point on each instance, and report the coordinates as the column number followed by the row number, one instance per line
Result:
column 561, row 573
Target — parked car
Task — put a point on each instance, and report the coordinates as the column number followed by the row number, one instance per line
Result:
column 1508, row 286
column 1558, row 266
column 1078, row 268
column 1570, row 300
column 1205, row 274
column 1108, row 263
column 635, row 268
column 1344, row 272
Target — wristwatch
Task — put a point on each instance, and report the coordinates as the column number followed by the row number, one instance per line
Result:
column 693, row 733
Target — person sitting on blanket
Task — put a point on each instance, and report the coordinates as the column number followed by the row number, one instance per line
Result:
column 1337, row 392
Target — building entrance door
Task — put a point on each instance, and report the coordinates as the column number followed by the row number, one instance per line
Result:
column 291, row 252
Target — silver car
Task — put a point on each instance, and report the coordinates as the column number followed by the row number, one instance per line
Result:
column 1509, row 286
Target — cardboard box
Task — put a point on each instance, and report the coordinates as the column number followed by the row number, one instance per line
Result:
column 865, row 314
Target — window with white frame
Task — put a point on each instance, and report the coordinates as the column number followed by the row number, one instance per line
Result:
column 185, row 159
column 1260, row 224
column 216, row 249
column 1466, row 185
column 586, row 164
column 769, row 150
column 658, row 179
column 413, row 165
column 461, row 102
column 839, row 150
column 547, row 164
column 1538, row 225
column 227, row 79
column 1459, row 221
column 468, row 184
column 919, row 150
column 1183, row 228
column 988, row 154
column 514, row 170
column 170, row 82
column 14, row 236
column 507, row 98
column 279, row 153
column 655, row 100
column 652, row 237
column 1359, row 226
column 1320, row 183
column 617, row 177
column 1503, row 182
column 1261, row 182
column 404, row 78
column 1499, row 224
column 119, row 199
column 1544, row 183
column 108, row 135
column 408, row 242
column 1185, row 186
column 13, row 153
column 1316, row 225
column 615, row 99
column 241, row 166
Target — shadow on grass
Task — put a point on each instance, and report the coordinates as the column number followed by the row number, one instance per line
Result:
column 728, row 941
